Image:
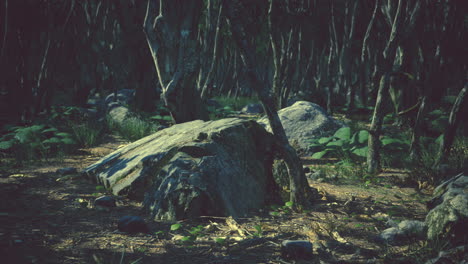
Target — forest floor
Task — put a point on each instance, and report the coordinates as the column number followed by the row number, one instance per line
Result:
column 48, row 218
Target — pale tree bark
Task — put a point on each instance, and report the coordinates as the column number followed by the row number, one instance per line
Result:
column 345, row 56
column 171, row 28
column 454, row 120
column 374, row 144
column 301, row 194
column 284, row 39
column 364, row 57
column 206, row 87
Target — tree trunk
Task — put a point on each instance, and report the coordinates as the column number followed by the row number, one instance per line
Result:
column 172, row 39
column 454, row 120
column 373, row 156
column 415, row 148
column 301, row 194
column 363, row 59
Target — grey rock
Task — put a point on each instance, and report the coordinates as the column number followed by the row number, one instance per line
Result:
column 412, row 228
column 105, row 201
column 389, row 235
column 449, row 217
column 177, row 174
column 124, row 97
column 296, row 250
column 119, row 113
column 404, row 230
column 66, row 171
column 252, row 109
column 391, row 223
column 132, row 224
column 304, row 121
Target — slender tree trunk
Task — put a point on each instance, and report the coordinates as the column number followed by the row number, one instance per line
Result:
column 454, row 120
column 362, row 64
column 301, row 194
column 415, row 148
column 373, row 156
column 206, row 87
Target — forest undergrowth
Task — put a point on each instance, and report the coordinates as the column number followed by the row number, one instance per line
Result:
column 49, row 218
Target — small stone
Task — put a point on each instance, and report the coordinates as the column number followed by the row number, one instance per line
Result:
column 413, row 228
column 296, row 249
column 132, row 224
column 105, row 201
column 67, row 171
column 389, row 235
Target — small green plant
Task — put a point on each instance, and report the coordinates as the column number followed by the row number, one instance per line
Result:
column 342, row 144
column 258, row 231
column 193, row 233
column 285, row 209
column 175, row 227
column 142, row 250
column 100, row 189
column 219, row 240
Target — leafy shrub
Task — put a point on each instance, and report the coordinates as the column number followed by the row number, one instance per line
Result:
column 64, row 115
column 395, row 150
column 36, row 141
column 341, row 144
column 437, row 121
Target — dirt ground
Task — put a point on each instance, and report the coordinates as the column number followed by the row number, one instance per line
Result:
column 49, row 218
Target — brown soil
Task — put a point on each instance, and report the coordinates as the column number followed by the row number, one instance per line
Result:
column 47, row 218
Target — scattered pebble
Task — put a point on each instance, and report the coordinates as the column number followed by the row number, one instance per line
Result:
column 105, row 201
column 296, row 249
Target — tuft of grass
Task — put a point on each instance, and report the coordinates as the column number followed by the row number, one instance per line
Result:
column 236, row 103
column 132, row 128
column 88, row 134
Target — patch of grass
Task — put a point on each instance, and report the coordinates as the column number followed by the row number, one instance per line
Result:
column 132, row 128
column 88, row 134
column 236, row 103
column 347, row 171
